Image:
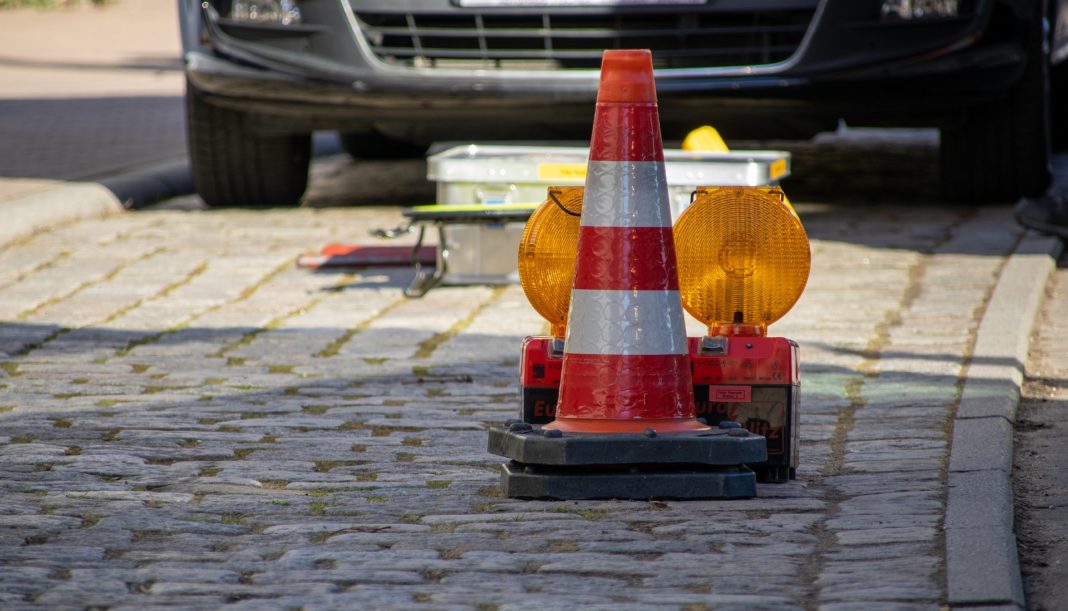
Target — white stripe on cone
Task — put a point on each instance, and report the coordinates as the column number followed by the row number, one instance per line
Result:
column 625, row 323
column 626, row 194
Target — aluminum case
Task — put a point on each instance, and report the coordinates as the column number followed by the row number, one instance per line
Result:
column 506, row 174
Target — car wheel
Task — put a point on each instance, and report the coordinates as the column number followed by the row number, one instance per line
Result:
column 1001, row 151
column 233, row 166
column 374, row 145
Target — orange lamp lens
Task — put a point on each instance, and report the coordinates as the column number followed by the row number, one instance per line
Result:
column 743, row 258
column 547, row 254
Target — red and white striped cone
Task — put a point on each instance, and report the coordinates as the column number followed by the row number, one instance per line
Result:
column 625, row 366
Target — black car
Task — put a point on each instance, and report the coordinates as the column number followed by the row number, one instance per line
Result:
column 395, row 75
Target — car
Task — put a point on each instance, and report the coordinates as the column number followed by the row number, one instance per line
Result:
column 393, row 76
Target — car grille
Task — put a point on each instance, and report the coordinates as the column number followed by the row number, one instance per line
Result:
column 548, row 41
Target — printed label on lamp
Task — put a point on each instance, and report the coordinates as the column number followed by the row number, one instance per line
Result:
column 730, row 394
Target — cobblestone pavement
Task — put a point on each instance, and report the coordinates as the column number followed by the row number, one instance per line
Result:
column 188, row 418
column 1041, row 476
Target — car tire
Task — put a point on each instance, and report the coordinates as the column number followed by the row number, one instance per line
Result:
column 1001, row 151
column 374, row 145
column 233, row 166
column 1059, row 106
column 1058, row 84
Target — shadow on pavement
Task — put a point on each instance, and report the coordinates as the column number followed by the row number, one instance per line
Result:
column 25, row 339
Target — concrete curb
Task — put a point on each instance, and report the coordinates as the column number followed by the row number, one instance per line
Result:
column 66, row 203
column 136, row 188
column 982, row 566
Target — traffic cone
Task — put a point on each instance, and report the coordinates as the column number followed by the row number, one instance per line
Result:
column 625, row 366
column 625, row 376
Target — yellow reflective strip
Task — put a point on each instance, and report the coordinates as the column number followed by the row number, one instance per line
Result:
column 561, row 171
column 777, row 169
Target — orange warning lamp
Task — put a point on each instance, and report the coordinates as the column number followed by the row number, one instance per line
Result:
column 742, row 253
column 743, row 258
column 547, row 253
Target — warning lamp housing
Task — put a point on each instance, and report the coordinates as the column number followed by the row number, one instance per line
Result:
column 753, row 381
column 744, row 260
column 541, row 362
column 756, row 382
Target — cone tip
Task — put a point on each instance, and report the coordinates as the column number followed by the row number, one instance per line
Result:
column 627, row 77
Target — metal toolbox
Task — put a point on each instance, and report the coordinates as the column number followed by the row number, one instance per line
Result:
column 485, row 253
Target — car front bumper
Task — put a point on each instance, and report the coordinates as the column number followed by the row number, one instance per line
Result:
column 847, row 67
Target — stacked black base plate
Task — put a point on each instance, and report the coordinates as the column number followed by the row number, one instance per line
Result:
column 692, row 465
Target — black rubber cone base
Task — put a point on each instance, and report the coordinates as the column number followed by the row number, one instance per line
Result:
column 638, row 483
column 714, row 447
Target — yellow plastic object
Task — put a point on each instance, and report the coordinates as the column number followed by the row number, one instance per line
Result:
column 547, row 254
column 743, row 258
column 705, row 139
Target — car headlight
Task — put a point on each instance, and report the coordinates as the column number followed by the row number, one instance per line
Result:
column 916, row 10
column 281, row 12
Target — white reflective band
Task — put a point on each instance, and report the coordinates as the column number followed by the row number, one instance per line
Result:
column 625, row 323
column 626, row 194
